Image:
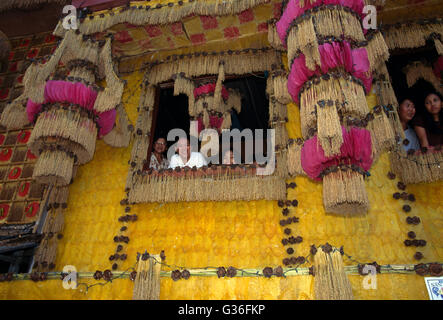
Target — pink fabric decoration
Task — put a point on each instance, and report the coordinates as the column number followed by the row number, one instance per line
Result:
column 293, row 11
column 356, row 149
column 76, row 93
column 214, row 122
column 210, row 88
column 337, row 54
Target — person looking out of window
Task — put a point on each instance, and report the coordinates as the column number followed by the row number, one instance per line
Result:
column 406, row 112
column 158, row 159
column 429, row 126
column 186, row 158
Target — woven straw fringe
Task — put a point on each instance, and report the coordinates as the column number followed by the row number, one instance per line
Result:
column 222, row 188
column 411, row 35
column 330, row 281
column 82, row 73
column 438, row 47
column 303, row 38
column 147, row 282
column 350, row 95
column 196, row 66
column 65, row 124
column 378, row 51
column 329, row 130
column 417, row 70
column 109, row 98
column 274, row 38
column 14, row 115
column 280, row 86
column 163, row 15
column 294, row 160
column 338, row 23
column 344, row 193
column 218, row 87
column 53, row 225
column 186, row 86
column 120, row 136
column 417, row 168
column 53, row 167
column 382, row 134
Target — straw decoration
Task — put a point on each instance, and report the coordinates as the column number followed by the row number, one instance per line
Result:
column 120, row 134
column 110, row 97
column 186, row 86
column 53, row 167
column 418, row 167
column 382, row 133
column 244, row 62
column 378, row 51
column 147, row 281
column 417, row 70
column 227, row 186
column 329, row 129
column 14, row 115
column 280, row 88
column 274, row 38
column 217, row 101
column 438, row 46
column 294, row 158
column 163, row 14
column 331, row 282
column 344, row 192
column 411, row 34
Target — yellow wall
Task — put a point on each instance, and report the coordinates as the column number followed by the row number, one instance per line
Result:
column 240, row 234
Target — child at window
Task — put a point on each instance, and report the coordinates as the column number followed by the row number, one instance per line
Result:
column 406, row 112
column 429, row 126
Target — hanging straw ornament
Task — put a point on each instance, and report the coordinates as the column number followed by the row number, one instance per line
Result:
column 14, row 115
column 274, row 38
column 331, row 282
column 344, row 192
column 147, row 281
column 418, row 70
column 329, row 128
column 438, row 46
column 293, row 158
column 120, row 135
column 216, row 104
column 280, row 88
column 382, row 133
column 378, row 51
column 302, row 38
column 186, row 86
column 53, row 167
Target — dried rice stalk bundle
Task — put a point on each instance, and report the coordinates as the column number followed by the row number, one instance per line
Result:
column 329, row 130
column 234, row 101
column 109, row 98
column 274, row 38
column 218, row 101
column 417, row 70
column 338, row 23
column 14, row 115
column 344, row 193
column 147, row 97
column 36, row 75
column 438, row 46
column 120, row 136
column 147, row 281
column 411, row 35
column 417, row 168
column 331, row 282
column 82, row 73
column 53, row 167
column 66, row 124
column 209, row 64
column 163, row 15
column 186, row 86
column 302, row 37
column 281, row 169
column 280, row 85
column 378, row 51
column 294, row 159
column 223, row 188
column 382, row 134
column 281, row 134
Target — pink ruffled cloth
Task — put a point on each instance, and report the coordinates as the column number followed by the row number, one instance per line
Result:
column 356, row 149
column 214, row 122
column 337, row 54
column 209, row 88
column 293, row 11
column 438, row 68
column 76, row 93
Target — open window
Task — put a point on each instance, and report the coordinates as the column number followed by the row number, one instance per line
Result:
column 414, row 74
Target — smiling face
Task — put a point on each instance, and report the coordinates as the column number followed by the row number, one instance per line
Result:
column 183, row 147
column 406, row 110
column 433, row 104
column 160, row 145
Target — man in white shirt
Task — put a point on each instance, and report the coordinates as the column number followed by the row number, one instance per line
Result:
column 186, row 158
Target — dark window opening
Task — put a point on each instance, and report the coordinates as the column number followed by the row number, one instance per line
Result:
column 172, row 111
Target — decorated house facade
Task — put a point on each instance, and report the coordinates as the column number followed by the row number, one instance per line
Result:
column 83, row 102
